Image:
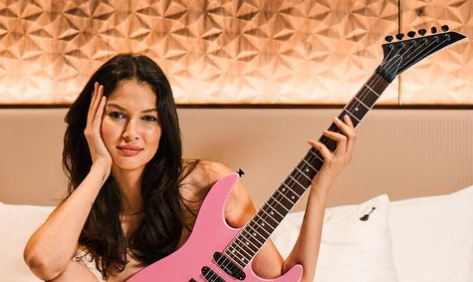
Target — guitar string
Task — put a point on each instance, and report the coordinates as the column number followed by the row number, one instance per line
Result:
column 278, row 197
column 348, row 110
column 243, row 229
column 298, row 177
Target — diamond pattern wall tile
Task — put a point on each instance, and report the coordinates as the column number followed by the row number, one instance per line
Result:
column 251, row 51
column 446, row 77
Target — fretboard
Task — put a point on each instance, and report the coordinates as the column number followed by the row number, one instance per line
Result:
column 251, row 238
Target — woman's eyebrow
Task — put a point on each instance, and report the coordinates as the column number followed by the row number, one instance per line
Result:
column 123, row 109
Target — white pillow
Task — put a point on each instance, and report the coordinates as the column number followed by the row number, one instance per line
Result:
column 351, row 249
column 433, row 237
column 17, row 224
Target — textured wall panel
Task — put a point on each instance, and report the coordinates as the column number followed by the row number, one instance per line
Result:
column 446, row 77
column 225, row 51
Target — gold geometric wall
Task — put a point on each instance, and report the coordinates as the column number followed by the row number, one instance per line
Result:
column 446, row 77
column 225, row 52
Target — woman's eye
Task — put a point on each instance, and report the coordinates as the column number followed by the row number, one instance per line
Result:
column 150, row 118
column 115, row 114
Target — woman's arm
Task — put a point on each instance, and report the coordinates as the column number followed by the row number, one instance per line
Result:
column 268, row 263
column 54, row 243
column 51, row 247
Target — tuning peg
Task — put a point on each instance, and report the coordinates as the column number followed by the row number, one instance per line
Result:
column 445, row 28
column 411, row 34
column 389, row 38
column 400, row 36
column 422, row 32
column 433, row 30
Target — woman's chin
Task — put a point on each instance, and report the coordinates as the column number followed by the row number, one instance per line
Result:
column 127, row 165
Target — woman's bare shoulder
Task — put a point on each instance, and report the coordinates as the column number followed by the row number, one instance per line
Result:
column 239, row 207
column 201, row 177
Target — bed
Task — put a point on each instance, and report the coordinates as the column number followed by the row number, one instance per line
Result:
column 414, row 166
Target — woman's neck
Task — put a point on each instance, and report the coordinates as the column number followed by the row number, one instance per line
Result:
column 129, row 183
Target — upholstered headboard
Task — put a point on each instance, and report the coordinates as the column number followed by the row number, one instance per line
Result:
column 404, row 153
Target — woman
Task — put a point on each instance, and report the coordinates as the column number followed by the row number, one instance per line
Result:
column 132, row 198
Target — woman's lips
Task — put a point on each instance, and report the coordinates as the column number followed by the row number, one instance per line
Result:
column 129, row 152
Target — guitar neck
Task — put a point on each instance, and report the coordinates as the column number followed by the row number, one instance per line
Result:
column 251, row 238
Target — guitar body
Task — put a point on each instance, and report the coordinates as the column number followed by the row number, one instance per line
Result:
column 210, row 234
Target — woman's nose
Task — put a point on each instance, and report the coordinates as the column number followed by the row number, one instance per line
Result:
column 130, row 132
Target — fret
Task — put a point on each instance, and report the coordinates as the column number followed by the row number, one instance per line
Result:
column 255, row 233
column 368, row 108
column 287, row 188
column 367, row 94
column 252, row 236
column 372, row 90
column 290, row 188
column 236, row 256
column 310, row 179
column 281, row 193
column 270, row 206
column 297, row 182
column 242, row 252
column 245, row 242
column 275, row 222
column 247, row 251
column 254, row 222
column 356, row 109
column 313, row 153
column 352, row 115
column 242, row 245
column 262, row 221
column 278, row 204
column 287, row 203
column 313, row 168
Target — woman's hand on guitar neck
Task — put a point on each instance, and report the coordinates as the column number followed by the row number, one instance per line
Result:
column 334, row 162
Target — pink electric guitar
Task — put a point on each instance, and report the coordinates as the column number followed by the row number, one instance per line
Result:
column 216, row 252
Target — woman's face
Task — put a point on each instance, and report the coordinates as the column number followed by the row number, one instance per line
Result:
column 131, row 112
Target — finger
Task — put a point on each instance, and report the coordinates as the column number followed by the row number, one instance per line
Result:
column 99, row 115
column 348, row 121
column 97, row 97
column 344, row 127
column 340, row 139
column 324, row 151
column 90, row 114
column 93, row 95
column 97, row 100
column 351, row 134
column 347, row 130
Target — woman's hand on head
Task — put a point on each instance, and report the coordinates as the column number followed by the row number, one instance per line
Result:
column 334, row 162
column 92, row 132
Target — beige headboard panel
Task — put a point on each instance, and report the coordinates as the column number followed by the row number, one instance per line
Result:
column 404, row 153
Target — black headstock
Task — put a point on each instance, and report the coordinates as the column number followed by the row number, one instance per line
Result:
column 402, row 54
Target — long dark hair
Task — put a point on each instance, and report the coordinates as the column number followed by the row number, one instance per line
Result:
column 160, row 229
